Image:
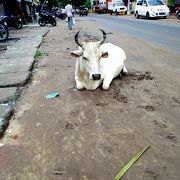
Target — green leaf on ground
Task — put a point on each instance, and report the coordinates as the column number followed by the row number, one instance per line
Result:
column 130, row 163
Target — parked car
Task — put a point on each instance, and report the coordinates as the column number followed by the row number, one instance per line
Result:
column 117, row 8
column 83, row 10
column 151, row 8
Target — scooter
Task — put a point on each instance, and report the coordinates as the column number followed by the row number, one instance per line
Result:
column 46, row 18
column 4, row 33
column 178, row 14
column 14, row 21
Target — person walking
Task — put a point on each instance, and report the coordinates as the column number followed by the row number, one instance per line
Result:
column 69, row 13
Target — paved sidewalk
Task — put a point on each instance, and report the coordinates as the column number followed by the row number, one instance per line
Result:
column 16, row 64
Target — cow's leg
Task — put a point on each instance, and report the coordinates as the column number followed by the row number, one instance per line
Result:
column 106, row 82
column 124, row 70
column 79, row 85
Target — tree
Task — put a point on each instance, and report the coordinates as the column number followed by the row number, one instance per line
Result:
column 88, row 3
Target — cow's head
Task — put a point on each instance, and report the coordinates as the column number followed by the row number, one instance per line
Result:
column 90, row 55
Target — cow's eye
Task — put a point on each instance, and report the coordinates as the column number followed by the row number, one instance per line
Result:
column 85, row 58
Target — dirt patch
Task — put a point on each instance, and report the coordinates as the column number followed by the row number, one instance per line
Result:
column 171, row 136
column 138, row 76
column 131, row 79
column 71, row 126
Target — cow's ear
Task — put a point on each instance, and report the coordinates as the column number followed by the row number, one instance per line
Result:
column 77, row 53
column 105, row 55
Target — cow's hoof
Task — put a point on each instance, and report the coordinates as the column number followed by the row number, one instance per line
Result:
column 80, row 89
column 124, row 71
column 79, row 86
column 105, row 88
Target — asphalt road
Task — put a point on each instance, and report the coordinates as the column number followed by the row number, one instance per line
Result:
column 161, row 33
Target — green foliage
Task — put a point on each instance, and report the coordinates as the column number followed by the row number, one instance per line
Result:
column 170, row 2
column 88, row 3
column 38, row 54
column 130, row 163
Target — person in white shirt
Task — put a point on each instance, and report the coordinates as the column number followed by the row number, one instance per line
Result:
column 69, row 10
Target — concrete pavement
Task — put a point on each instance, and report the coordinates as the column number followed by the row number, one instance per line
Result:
column 16, row 62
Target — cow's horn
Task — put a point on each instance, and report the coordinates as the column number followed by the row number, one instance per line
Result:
column 104, row 37
column 76, row 39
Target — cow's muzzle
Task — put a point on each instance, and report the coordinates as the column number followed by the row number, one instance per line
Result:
column 96, row 77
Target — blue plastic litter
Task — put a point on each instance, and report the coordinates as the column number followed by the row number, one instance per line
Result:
column 52, row 95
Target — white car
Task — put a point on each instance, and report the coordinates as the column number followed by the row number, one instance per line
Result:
column 151, row 8
column 117, row 7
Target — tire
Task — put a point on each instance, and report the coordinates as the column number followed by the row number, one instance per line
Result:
column 164, row 17
column 53, row 22
column 4, row 33
column 41, row 22
column 178, row 17
column 136, row 15
column 18, row 25
column 147, row 15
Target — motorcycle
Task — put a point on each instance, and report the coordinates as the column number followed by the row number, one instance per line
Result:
column 178, row 14
column 58, row 13
column 4, row 33
column 46, row 18
column 14, row 21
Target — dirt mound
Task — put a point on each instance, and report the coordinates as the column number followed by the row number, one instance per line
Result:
column 132, row 79
column 138, row 76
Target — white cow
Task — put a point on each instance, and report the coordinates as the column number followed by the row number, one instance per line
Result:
column 97, row 63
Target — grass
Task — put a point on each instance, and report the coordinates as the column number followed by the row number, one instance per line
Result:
column 38, row 54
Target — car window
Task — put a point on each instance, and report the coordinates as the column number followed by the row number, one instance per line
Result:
column 155, row 2
column 139, row 3
column 120, row 4
column 145, row 3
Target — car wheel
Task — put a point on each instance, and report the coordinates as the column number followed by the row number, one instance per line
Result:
column 164, row 17
column 147, row 15
column 136, row 15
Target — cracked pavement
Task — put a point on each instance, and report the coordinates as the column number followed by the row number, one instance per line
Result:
column 16, row 62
